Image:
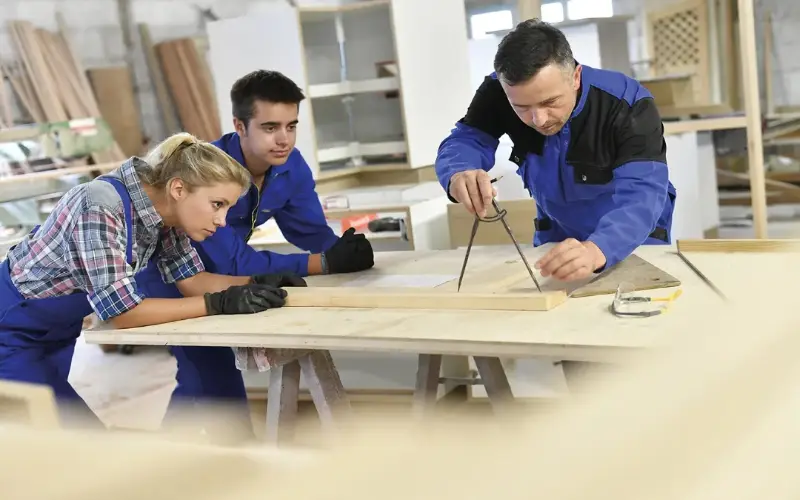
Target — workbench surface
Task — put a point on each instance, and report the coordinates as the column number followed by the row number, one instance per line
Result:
column 580, row 329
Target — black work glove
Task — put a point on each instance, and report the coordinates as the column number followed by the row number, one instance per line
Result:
column 279, row 280
column 245, row 299
column 353, row 252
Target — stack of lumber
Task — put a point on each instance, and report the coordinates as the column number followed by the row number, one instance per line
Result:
column 50, row 81
column 191, row 88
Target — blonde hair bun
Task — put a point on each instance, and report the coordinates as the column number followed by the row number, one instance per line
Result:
column 196, row 162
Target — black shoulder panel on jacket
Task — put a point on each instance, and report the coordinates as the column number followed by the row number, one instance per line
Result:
column 640, row 134
column 609, row 132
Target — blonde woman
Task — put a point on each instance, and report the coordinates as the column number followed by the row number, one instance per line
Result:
column 85, row 257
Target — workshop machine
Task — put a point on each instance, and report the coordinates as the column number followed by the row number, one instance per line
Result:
column 26, row 200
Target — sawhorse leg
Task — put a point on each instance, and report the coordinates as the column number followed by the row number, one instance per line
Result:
column 492, row 377
column 282, row 400
column 576, row 371
column 324, row 385
column 429, row 367
column 495, row 381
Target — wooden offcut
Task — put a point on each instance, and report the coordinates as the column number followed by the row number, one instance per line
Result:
column 422, row 298
column 633, row 270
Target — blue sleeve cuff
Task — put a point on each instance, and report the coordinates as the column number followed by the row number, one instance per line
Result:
column 608, row 251
column 296, row 263
column 466, row 148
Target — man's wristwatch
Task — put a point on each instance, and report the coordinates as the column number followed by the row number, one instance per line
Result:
column 324, row 263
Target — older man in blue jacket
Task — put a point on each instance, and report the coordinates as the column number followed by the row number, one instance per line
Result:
column 265, row 110
column 589, row 145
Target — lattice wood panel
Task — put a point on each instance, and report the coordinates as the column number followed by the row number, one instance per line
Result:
column 679, row 44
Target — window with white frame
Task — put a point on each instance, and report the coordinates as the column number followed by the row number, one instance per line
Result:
column 553, row 12
column 483, row 24
column 570, row 10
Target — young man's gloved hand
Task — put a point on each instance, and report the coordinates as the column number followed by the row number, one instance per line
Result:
column 245, row 299
column 353, row 252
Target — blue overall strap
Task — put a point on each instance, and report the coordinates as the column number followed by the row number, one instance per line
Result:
column 127, row 208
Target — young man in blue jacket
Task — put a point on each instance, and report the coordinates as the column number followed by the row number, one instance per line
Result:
column 589, row 144
column 265, row 116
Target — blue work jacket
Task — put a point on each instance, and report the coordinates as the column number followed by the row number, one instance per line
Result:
column 602, row 178
column 290, row 197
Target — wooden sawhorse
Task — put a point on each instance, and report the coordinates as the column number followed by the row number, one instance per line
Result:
column 492, row 376
column 324, row 384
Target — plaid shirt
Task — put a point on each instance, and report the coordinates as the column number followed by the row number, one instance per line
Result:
column 82, row 247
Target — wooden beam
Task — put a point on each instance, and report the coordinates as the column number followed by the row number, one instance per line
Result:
column 529, row 9
column 768, row 50
column 422, row 298
column 743, row 245
column 752, row 106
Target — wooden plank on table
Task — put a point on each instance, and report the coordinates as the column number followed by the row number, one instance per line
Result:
column 497, row 278
column 422, row 298
column 743, row 245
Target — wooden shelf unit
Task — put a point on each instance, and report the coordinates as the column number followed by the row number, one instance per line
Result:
column 373, row 72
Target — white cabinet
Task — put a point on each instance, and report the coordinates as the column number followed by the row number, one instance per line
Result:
column 385, row 80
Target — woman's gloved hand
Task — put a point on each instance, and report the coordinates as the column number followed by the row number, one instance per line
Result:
column 245, row 299
column 352, row 253
column 279, row 280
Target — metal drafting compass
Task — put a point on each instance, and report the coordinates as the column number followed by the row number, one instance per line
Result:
column 499, row 216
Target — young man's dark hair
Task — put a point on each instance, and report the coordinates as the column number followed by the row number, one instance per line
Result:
column 262, row 85
column 528, row 48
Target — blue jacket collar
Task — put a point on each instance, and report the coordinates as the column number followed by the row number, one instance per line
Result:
column 583, row 92
column 230, row 144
